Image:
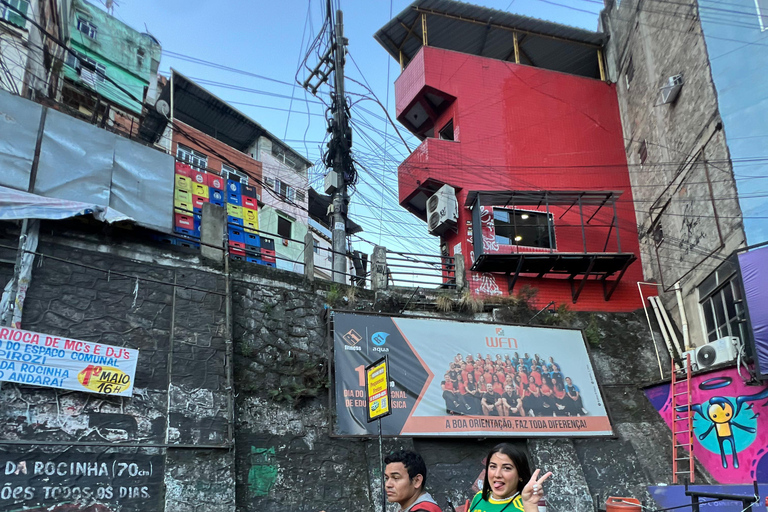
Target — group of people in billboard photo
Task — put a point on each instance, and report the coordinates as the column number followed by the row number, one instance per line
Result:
column 509, row 385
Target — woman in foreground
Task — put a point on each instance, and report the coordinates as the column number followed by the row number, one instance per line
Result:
column 508, row 485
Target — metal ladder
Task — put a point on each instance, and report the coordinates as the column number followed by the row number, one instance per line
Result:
column 681, row 397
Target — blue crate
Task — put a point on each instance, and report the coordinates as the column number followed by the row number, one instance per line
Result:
column 197, row 219
column 190, row 244
column 267, row 263
column 218, row 203
column 233, row 198
column 215, row 194
column 267, row 243
column 197, row 211
column 194, row 233
column 234, row 186
column 236, row 234
column 253, row 240
column 165, row 239
column 252, row 259
column 234, row 220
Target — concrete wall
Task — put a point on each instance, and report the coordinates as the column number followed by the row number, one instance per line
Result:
column 686, row 184
column 286, row 456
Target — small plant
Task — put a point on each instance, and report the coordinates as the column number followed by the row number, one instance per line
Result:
column 351, row 295
column 444, row 303
column 470, row 303
column 334, row 295
column 592, row 331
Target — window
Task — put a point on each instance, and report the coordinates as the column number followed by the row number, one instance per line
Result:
column 285, row 191
column 300, row 196
column 315, row 246
column 630, row 73
column 92, row 73
column 194, row 158
column 284, row 227
column 86, row 27
column 230, row 173
column 14, row 12
column 520, row 227
column 447, row 132
column 284, row 156
column 140, row 57
column 762, row 14
column 721, row 303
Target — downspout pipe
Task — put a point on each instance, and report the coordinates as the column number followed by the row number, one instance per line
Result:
column 650, row 327
column 683, row 318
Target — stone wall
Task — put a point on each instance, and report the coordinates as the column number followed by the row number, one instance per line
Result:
column 284, row 455
column 685, row 195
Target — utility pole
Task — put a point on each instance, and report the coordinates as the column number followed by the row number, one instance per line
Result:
column 338, row 159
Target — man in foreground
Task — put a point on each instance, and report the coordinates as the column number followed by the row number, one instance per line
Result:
column 405, row 477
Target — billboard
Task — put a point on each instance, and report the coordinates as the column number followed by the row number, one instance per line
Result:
column 467, row 378
column 43, row 360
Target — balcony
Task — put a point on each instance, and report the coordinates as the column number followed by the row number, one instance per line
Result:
column 599, row 258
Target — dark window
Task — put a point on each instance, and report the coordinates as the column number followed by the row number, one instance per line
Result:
column 630, row 73
column 14, row 12
column 86, row 27
column 447, row 132
column 519, row 227
column 140, row 57
column 315, row 246
column 643, row 152
column 283, row 227
column 721, row 304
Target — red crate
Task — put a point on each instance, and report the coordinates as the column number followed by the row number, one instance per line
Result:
column 184, row 170
column 267, row 252
column 197, row 201
column 250, row 202
column 236, row 252
column 184, row 221
column 215, row 181
column 236, row 245
column 198, row 177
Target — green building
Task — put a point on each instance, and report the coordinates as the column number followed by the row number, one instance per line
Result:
column 115, row 68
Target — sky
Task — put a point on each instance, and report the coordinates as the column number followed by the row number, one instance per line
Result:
column 269, row 39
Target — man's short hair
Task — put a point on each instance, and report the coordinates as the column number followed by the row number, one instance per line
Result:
column 412, row 462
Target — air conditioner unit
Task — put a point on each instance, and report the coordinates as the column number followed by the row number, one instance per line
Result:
column 670, row 91
column 719, row 351
column 442, row 210
column 692, row 353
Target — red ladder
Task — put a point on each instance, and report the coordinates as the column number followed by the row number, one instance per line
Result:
column 682, row 452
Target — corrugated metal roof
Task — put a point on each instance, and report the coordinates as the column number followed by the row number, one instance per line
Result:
column 486, row 32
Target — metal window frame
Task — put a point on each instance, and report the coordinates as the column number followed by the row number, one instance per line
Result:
column 92, row 31
column 192, row 154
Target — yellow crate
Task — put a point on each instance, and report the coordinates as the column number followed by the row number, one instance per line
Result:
column 183, row 183
column 182, row 207
column 250, row 215
column 182, row 195
column 251, row 226
column 234, row 210
column 200, row 190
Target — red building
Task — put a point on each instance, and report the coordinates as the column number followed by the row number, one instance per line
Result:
column 516, row 120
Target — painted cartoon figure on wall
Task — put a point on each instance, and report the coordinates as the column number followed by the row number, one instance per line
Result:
column 730, row 424
column 720, row 414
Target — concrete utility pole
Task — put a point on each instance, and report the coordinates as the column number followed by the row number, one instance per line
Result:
column 338, row 159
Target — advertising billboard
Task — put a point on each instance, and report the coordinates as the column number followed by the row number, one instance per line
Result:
column 37, row 359
column 467, row 378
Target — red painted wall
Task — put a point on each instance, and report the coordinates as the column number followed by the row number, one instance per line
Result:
column 524, row 128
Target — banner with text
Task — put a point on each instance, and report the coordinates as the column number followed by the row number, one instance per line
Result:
column 467, row 379
column 75, row 482
column 51, row 361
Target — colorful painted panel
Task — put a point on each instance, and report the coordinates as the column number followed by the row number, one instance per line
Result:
column 730, row 425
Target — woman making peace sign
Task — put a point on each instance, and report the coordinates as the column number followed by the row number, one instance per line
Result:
column 504, row 486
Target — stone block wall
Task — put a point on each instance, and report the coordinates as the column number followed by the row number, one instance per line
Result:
column 272, row 394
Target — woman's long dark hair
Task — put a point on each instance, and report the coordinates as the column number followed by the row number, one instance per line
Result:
column 519, row 459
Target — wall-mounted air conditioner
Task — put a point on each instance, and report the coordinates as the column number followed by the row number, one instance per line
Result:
column 442, row 210
column 719, row 351
column 670, row 91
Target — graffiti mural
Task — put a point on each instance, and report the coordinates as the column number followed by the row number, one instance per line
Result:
column 730, row 424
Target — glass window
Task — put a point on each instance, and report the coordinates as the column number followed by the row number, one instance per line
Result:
column 233, row 174
column 284, row 227
column 300, row 196
column 86, row 27
column 721, row 309
column 194, row 158
column 519, row 227
column 291, row 194
column 14, row 12
column 447, row 132
column 315, row 246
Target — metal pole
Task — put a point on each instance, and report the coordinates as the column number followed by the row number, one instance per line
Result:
column 340, row 128
column 381, row 463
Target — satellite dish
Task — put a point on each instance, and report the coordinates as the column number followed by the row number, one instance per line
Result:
column 163, row 107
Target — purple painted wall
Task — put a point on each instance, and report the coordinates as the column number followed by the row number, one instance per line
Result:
column 732, row 447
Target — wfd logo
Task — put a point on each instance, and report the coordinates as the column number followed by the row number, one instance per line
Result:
column 379, row 339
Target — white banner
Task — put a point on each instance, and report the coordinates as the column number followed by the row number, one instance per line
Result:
column 43, row 360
